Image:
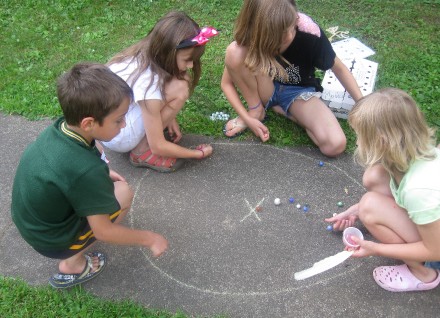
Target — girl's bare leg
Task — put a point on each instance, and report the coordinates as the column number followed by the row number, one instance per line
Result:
column 256, row 90
column 377, row 179
column 320, row 124
column 176, row 94
column 390, row 224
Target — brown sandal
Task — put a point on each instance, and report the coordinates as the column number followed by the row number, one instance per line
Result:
column 152, row 161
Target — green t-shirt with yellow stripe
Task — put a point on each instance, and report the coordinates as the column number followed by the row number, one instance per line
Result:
column 60, row 180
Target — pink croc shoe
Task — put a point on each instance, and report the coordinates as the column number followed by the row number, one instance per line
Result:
column 400, row 279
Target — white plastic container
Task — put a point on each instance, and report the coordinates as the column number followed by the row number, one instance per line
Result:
column 348, row 233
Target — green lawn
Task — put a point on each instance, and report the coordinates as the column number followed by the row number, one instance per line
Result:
column 18, row 300
column 41, row 39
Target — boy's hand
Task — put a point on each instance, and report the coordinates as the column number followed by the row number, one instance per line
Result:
column 159, row 244
column 116, row 176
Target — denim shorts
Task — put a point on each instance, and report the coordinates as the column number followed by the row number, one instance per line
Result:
column 435, row 265
column 285, row 95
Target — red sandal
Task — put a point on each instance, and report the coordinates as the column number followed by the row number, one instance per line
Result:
column 152, row 161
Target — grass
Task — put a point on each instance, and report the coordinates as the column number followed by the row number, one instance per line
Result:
column 43, row 38
column 18, row 300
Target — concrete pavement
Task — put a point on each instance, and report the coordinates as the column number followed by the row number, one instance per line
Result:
column 223, row 257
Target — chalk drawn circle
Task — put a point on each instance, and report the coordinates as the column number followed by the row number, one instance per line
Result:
column 218, row 245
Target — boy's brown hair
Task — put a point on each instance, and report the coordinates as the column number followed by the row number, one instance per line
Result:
column 90, row 90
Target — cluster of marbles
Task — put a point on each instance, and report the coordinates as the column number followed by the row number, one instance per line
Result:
column 219, row 116
column 305, row 207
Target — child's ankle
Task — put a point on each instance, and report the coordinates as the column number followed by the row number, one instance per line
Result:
column 257, row 113
column 139, row 151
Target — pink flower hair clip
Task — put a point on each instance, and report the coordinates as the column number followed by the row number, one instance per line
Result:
column 200, row 39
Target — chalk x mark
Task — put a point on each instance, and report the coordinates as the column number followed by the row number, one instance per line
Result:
column 252, row 210
column 296, row 285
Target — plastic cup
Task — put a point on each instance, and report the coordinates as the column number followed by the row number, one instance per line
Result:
column 348, row 233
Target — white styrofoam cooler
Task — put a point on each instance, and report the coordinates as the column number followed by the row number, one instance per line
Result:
column 352, row 53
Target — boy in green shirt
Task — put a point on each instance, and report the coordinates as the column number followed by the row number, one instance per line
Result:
column 64, row 196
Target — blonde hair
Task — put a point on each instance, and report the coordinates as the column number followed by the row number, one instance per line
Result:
column 260, row 27
column 158, row 50
column 391, row 130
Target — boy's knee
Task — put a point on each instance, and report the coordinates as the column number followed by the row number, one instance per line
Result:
column 124, row 194
column 129, row 194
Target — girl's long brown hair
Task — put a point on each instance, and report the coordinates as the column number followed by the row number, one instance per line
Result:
column 260, row 27
column 157, row 50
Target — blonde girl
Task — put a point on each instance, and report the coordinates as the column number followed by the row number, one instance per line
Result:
column 272, row 64
column 162, row 69
column 402, row 206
